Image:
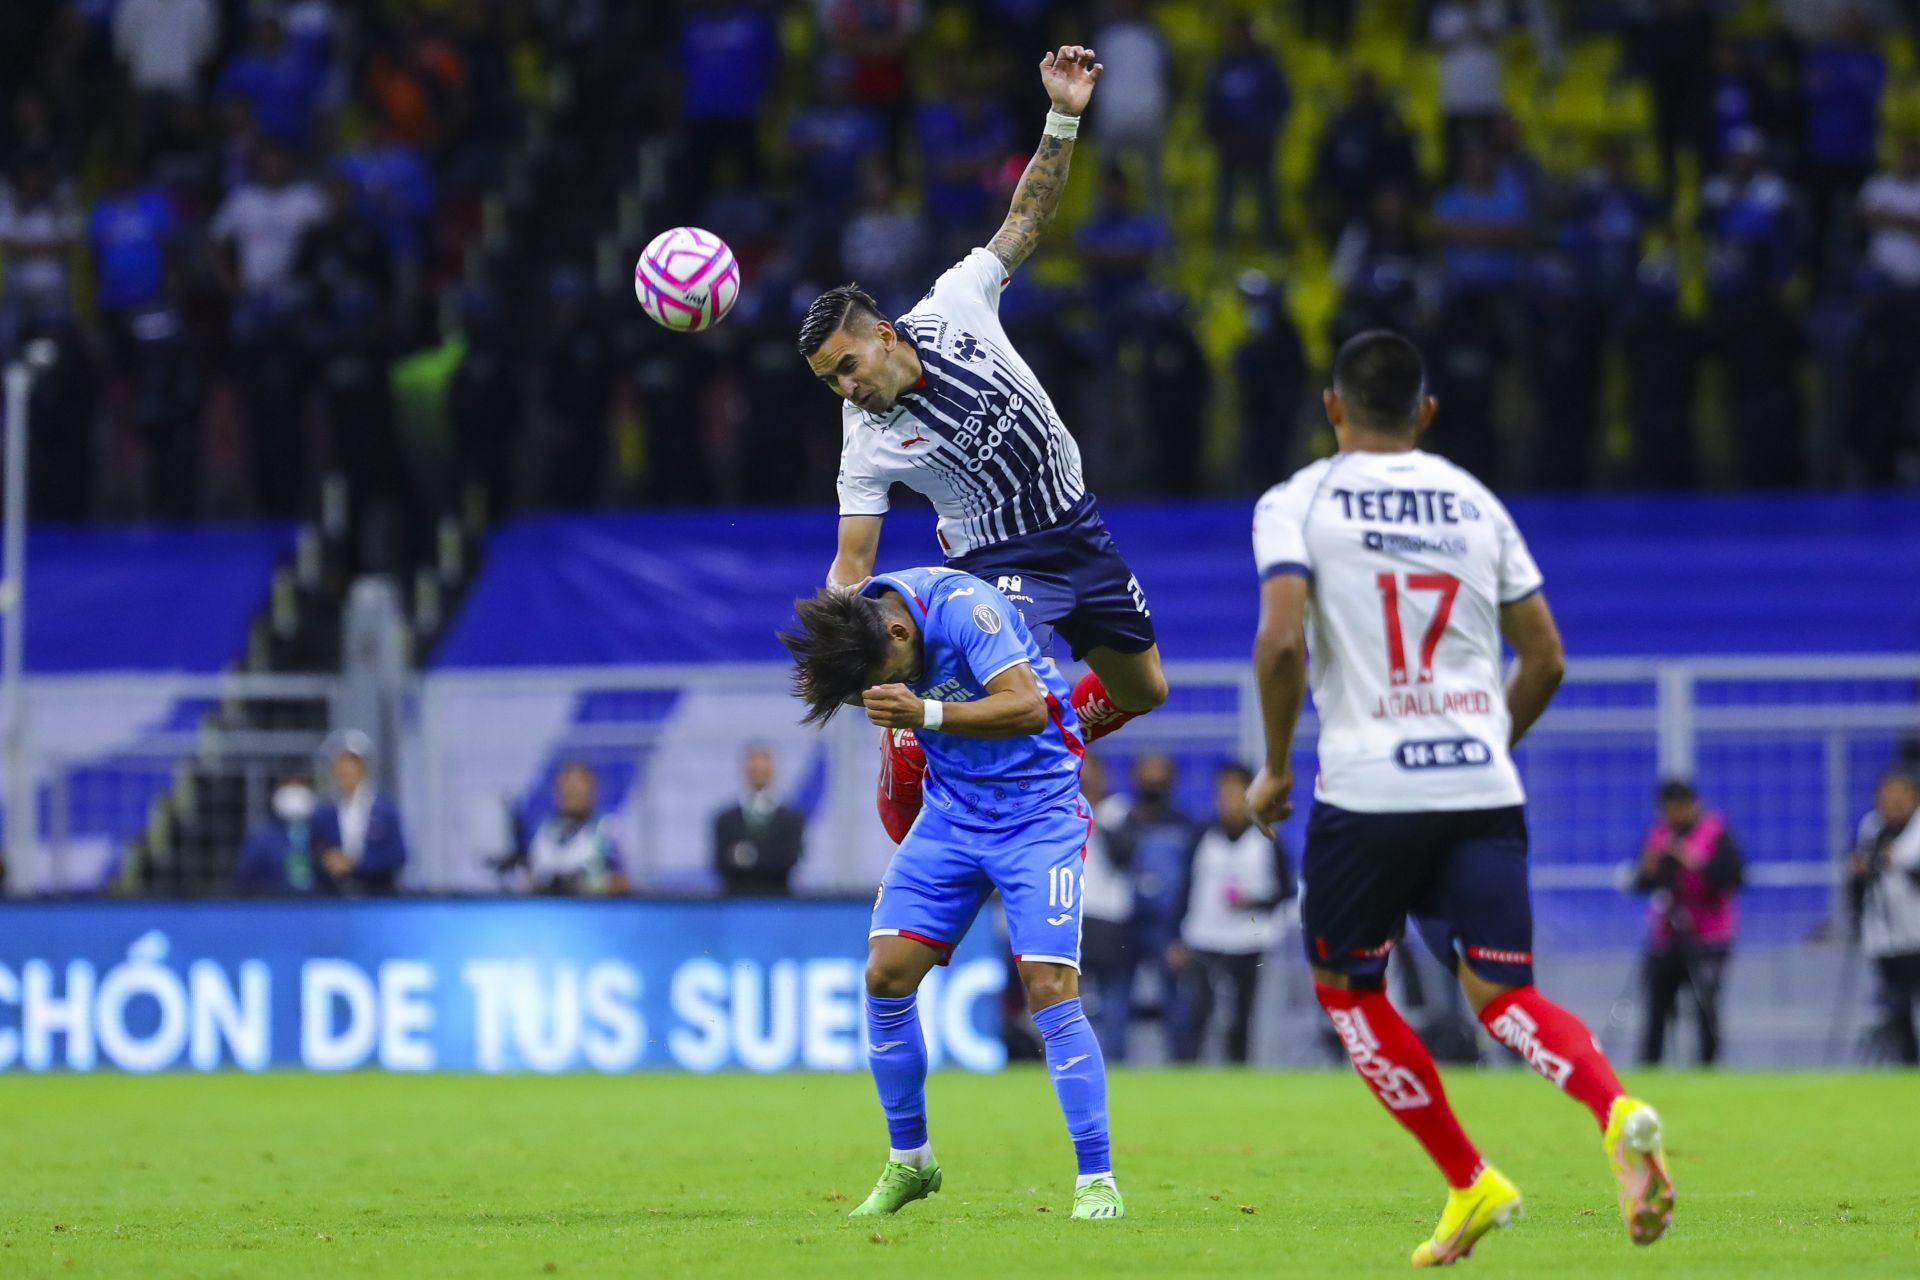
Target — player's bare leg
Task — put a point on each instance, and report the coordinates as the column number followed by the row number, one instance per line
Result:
column 1560, row 1047
column 1119, row 687
column 1079, row 1074
column 897, row 1056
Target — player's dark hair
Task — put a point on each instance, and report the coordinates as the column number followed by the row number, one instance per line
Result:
column 831, row 312
column 1902, row 776
column 1676, row 790
column 1381, row 379
column 1235, row 770
column 841, row 638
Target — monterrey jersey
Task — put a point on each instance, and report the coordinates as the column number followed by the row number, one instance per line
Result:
column 977, row 434
column 1409, row 559
column 970, row 633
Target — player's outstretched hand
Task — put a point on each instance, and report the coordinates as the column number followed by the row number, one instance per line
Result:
column 1270, row 797
column 1068, row 77
column 894, row 706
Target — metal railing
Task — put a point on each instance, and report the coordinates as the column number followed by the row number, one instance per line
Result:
column 1787, row 746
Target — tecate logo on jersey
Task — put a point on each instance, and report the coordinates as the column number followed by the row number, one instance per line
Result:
column 1443, row 753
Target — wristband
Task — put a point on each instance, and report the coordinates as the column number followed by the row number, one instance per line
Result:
column 932, row 713
column 1059, row 126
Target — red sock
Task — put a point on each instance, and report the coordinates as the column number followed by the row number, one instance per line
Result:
column 1400, row 1071
column 902, row 766
column 1095, row 710
column 1556, row 1044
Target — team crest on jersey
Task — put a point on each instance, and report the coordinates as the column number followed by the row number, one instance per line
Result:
column 987, row 618
column 967, row 347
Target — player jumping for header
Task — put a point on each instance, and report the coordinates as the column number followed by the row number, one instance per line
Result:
column 1407, row 572
column 939, row 401
column 947, row 655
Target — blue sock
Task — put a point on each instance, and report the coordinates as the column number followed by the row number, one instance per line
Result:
column 897, row 1055
column 1080, row 1079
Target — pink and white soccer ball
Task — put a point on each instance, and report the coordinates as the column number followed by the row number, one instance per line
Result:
column 687, row 279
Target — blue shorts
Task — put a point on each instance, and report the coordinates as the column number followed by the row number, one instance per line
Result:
column 1464, row 874
column 1069, row 578
column 944, row 870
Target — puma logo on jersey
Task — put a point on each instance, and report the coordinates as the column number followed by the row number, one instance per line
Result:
column 908, row 444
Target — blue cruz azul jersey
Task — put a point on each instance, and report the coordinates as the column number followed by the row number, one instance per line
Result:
column 969, row 634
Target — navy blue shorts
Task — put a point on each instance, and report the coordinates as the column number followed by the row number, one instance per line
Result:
column 1464, row 874
column 1070, row 579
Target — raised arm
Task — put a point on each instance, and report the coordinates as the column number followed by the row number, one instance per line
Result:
column 1068, row 77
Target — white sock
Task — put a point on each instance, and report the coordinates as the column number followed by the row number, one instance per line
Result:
column 1086, row 1178
column 920, row 1157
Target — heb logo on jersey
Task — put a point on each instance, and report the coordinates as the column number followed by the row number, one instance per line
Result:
column 1443, row 753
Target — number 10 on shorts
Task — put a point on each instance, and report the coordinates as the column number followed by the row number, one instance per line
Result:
column 1060, row 885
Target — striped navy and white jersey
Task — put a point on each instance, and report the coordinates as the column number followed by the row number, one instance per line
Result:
column 977, row 434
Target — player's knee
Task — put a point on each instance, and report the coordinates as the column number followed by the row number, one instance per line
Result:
column 1048, row 985
column 888, row 978
column 1481, row 991
column 1145, row 691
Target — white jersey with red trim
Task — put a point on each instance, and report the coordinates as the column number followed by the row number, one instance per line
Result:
column 1408, row 560
column 977, row 435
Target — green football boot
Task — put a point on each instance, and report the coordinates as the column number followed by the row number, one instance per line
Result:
column 1099, row 1199
column 899, row 1186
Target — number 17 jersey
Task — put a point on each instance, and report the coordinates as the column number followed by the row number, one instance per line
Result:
column 1408, row 560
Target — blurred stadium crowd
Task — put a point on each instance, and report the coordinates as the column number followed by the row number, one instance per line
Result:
column 1666, row 243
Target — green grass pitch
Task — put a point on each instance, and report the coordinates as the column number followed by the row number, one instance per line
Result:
column 1226, row 1174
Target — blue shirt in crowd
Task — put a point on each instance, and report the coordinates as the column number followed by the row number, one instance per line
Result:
column 282, row 89
column 1843, row 84
column 129, row 234
column 1505, row 201
column 726, row 63
column 396, row 194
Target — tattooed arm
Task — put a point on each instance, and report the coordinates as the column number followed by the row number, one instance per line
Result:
column 1068, row 77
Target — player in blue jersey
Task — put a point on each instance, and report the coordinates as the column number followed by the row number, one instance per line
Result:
column 945, row 654
column 940, row 401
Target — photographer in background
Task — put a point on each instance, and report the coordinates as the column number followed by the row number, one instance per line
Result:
column 1883, row 884
column 573, row 853
column 1236, row 886
column 1691, row 868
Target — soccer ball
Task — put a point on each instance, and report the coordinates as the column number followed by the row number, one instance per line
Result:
column 687, row 279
